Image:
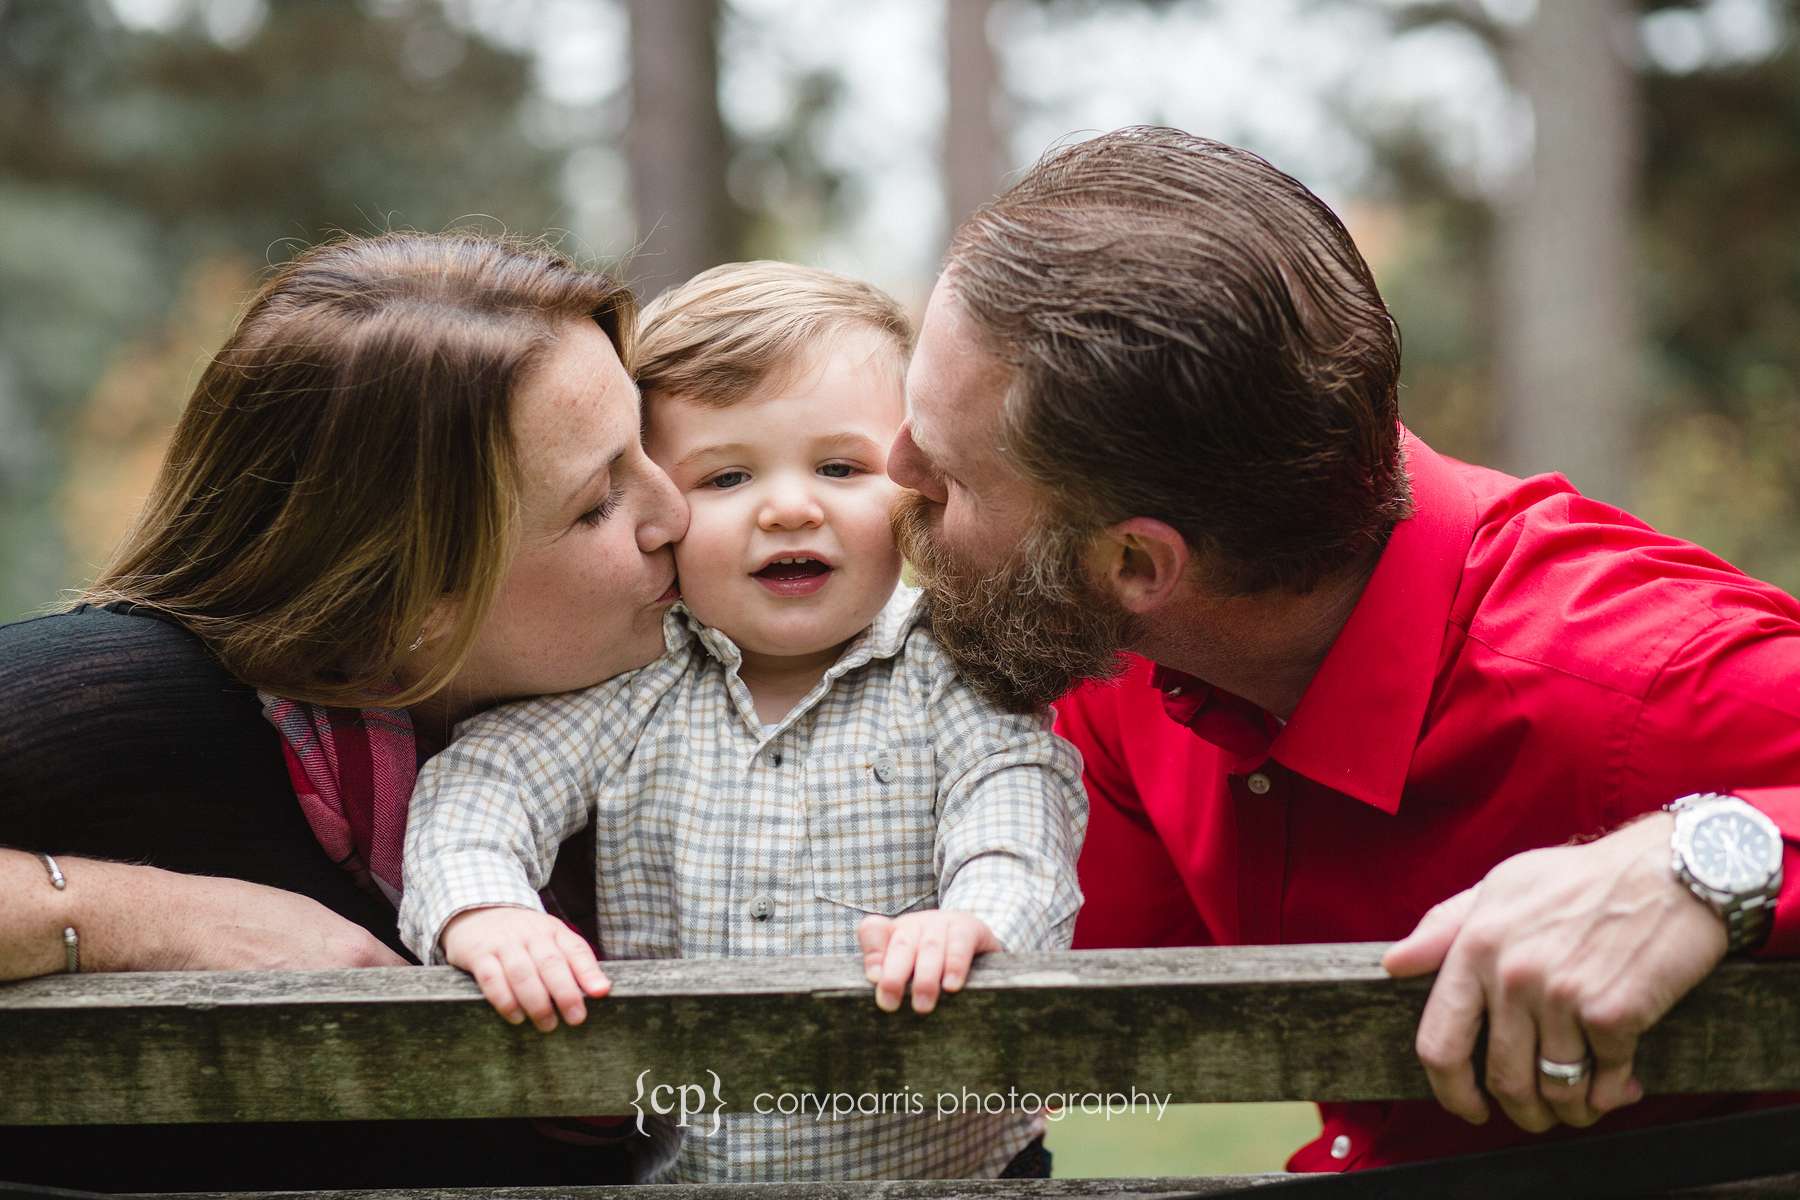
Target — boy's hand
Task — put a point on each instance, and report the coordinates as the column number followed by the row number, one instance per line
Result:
column 927, row 947
column 529, row 964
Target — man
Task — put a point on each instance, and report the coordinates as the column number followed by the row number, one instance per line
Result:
column 1153, row 408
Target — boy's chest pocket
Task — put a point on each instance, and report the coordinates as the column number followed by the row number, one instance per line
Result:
column 871, row 828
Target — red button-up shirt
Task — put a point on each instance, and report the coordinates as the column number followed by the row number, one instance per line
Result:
column 1525, row 666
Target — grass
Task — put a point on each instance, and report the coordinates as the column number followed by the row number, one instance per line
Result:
column 1189, row 1139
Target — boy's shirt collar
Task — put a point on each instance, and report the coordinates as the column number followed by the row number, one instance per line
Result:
column 884, row 638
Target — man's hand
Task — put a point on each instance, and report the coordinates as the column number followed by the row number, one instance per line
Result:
column 1567, row 951
column 528, row 963
column 931, row 948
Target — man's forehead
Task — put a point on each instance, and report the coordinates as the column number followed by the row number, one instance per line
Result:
column 954, row 388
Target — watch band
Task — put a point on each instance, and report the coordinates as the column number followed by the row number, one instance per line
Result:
column 1748, row 916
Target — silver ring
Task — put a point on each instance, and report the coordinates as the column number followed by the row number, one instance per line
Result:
column 1568, row 1074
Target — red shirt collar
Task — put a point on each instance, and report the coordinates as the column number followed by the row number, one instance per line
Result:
column 1359, row 718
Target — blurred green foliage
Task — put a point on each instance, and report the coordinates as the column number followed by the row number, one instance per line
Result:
column 1717, row 458
column 1187, row 1140
column 140, row 166
column 128, row 157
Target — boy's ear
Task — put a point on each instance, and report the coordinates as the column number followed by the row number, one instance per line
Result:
column 1145, row 561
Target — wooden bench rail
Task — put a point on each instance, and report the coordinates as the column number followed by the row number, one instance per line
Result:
column 1783, row 1187
column 1242, row 1023
column 921, row 1189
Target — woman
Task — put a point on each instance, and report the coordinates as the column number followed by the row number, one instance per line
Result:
column 409, row 486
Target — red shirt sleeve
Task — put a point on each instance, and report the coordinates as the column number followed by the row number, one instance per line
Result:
column 1782, row 806
column 1724, row 716
column 1135, row 895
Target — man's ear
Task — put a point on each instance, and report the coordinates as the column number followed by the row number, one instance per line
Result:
column 1146, row 561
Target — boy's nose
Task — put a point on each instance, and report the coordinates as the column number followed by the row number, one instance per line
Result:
column 790, row 507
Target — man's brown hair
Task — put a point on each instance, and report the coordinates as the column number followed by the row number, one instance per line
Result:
column 1195, row 338
column 346, row 460
column 716, row 338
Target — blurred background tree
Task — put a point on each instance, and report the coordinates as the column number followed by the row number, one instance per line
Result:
column 1581, row 211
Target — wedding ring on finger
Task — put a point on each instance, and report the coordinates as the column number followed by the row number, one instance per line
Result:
column 1567, row 1074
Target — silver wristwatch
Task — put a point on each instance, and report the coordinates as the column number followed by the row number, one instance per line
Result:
column 1729, row 855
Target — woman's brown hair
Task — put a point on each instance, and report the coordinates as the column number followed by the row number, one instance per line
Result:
column 345, row 462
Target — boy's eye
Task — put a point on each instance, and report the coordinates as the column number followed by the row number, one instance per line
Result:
column 728, row 479
column 837, row 470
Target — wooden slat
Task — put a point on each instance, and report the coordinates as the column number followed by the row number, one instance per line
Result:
column 932, row 1189
column 1245, row 1023
column 1777, row 1188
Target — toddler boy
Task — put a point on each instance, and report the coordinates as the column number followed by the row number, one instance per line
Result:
column 801, row 773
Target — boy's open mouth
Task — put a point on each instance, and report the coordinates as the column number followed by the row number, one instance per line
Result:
column 793, row 575
column 799, row 567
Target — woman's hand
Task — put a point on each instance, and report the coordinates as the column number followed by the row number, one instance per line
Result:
column 232, row 925
column 529, row 964
column 932, row 948
column 137, row 918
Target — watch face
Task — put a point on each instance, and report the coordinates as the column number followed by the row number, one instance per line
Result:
column 1731, row 852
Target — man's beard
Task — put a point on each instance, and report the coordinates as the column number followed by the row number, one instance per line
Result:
column 1029, row 630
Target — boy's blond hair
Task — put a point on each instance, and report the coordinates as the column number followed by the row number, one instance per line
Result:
column 716, row 338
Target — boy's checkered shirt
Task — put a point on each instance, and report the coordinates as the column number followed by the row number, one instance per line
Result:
column 891, row 787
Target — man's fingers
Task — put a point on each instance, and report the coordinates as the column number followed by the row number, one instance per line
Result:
column 873, row 935
column 1511, row 1070
column 1615, row 1047
column 896, row 969
column 1422, row 951
column 959, row 952
column 1560, row 1040
column 1446, row 1040
column 928, row 969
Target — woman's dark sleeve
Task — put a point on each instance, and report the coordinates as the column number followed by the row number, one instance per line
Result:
column 121, row 738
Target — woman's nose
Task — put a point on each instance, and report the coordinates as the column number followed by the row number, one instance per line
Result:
column 665, row 516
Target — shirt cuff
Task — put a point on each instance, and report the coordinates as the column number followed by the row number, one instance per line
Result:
column 993, row 886
column 456, row 884
column 1782, row 806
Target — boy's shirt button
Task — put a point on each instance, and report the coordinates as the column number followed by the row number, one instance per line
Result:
column 884, row 767
column 762, row 908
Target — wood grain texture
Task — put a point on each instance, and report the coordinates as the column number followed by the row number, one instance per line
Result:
column 931, row 1189
column 1784, row 1187
column 1242, row 1023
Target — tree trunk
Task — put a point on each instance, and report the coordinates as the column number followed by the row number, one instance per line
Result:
column 1567, row 346
column 676, row 144
column 974, row 154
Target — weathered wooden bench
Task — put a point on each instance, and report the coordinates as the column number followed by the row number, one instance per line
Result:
column 1191, row 1025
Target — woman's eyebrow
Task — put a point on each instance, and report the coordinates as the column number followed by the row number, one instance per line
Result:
column 579, row 493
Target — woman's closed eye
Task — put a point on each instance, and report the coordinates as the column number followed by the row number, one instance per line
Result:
column 604, row 509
